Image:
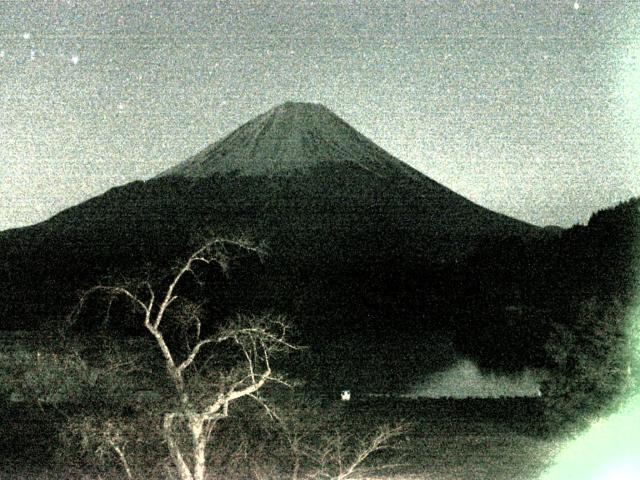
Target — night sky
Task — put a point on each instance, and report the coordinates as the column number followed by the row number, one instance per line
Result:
column 531, row 108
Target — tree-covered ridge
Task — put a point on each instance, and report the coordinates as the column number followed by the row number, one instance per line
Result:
column 561, row 303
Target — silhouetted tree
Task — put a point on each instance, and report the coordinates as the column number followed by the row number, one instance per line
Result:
column 591, row 365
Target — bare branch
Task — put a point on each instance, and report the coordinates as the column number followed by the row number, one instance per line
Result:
column 122, row 457
column 270, row 411
column 192, row 355
column 116, row 291
column 174, row 449
column 207, row 254
column 174, row 373
column 379, row 442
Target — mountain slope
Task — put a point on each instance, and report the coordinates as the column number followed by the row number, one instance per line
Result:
column 292, row 137
column 303, row 140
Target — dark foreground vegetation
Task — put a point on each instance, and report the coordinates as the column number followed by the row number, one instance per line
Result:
column 444, row 439
column 568, row 305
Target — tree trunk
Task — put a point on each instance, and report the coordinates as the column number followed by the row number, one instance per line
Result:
column 174, row 450
column 123, row 460
column 199, row 437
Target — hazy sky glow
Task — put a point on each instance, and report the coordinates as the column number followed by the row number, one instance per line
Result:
column 531, row 108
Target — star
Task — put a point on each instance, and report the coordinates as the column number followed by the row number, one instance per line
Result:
column 576, row 6
column 26, row 35
column 1, row 53
column 75, row 59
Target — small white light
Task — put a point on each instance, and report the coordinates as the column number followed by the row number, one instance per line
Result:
column 576, row 5
column 26, row 35
column 75, row 59
column 345, row 395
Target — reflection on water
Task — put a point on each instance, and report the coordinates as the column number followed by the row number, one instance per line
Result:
column 464, row 379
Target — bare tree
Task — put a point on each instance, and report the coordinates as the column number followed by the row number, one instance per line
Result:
column 206, row 375
column 338, row 456
column 336, row 463
column 188, row 424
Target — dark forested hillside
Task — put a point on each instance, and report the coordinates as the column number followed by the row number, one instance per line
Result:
column 559, row 302
column 538, row 280
column 335, row 226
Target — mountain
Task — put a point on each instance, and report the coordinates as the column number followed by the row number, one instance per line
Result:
column 292, row 137
column 358, row 240
column 295, row 140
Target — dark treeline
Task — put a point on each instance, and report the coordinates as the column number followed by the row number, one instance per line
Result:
column 541, row 281
column 560, row 302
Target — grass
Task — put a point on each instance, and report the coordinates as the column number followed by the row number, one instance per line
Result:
column 461, row 439
column 447, row 439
